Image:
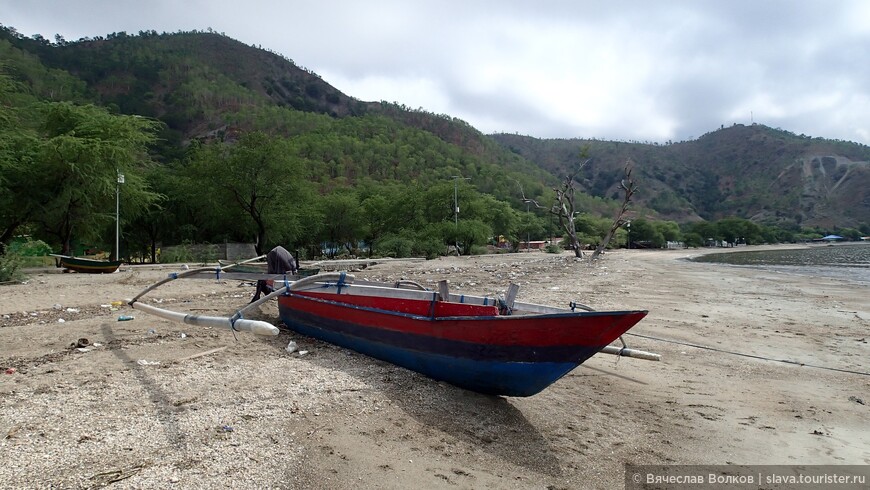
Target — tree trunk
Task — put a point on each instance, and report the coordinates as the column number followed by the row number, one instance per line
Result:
column 628, row 187
column 601, row 246
column 575, row 244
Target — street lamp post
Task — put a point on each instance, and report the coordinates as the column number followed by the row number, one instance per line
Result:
column 117, row 213
column 456, row 197
column 456, row 206
column 529, row 226
column 456, row 179
column 455, row 202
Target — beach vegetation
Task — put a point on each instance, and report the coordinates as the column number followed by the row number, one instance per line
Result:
column 11, row 265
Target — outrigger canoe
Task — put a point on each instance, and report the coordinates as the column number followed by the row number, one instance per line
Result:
column 495, row 346
column 91, row 266
column 477, row 343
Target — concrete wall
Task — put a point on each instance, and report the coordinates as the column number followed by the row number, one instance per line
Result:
column 208, row 252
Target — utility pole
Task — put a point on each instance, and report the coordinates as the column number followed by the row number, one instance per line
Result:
column 528, row 230
column 455, row 202
column 117, row 213
column 456, row 206
column 456, row 197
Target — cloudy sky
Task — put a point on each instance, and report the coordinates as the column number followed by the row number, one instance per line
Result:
column 615, row 69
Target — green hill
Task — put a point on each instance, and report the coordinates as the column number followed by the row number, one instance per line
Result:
column 755, row 172
column 208, row 91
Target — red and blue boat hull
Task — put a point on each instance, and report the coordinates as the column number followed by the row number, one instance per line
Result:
column 470, row 346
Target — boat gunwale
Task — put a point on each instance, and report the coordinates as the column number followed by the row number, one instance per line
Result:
column 521, row 316
column 384, row 290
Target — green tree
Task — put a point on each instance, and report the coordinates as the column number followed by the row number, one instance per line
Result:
column 388, row 208
column 254, row 187
column 19, row 177
column 502, row 218
column 670, row 230
column 692, row 239
column 343, row 224
column 468, row 235
column 529, row 227
column 591, row 229
column 706, row 230
column 81, row 150
column 739, row 230
column 645, row 232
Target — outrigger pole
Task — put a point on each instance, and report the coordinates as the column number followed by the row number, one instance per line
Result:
column 236, row 322
column 233, row 323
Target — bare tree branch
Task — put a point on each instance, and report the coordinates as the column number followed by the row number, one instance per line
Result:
column 525, row 199
column 564, row 207
column 628, row 187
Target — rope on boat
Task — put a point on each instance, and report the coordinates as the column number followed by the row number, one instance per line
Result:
column 753, row 356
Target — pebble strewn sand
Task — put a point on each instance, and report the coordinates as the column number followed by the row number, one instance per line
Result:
column 152, row 404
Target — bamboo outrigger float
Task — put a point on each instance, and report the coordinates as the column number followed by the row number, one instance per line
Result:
column 489, row 345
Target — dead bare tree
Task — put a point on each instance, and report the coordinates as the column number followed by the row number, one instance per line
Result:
column 628, row 187
column 564, row 207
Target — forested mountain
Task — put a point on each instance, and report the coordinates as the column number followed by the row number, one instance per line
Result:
column 195, row 81
column 323, row 159
column 246, row 145
column 756, row 172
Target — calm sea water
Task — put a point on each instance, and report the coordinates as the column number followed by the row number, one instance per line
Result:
column 843, row 261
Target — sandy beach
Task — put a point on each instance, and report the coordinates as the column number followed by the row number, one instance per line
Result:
column 147, row 403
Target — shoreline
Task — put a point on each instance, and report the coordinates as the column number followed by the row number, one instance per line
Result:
column 206, row 410
column 841, row 271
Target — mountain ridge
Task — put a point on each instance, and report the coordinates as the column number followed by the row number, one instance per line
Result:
column 766, row 174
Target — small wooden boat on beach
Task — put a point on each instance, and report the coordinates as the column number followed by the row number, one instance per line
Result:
column 90, row 266
column 477, row 343
column 496, row 346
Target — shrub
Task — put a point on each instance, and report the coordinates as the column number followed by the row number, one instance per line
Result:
column 478, row 250
column 30, row 248
column 207, row 253
column 176, row 254
column 395, row 246
column 10, row 268
column 553, row 248
column 430, row 242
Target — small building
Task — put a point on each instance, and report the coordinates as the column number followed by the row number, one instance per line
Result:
column 533, row 245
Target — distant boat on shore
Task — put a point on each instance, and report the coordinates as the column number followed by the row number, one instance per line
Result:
column 90, row 266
